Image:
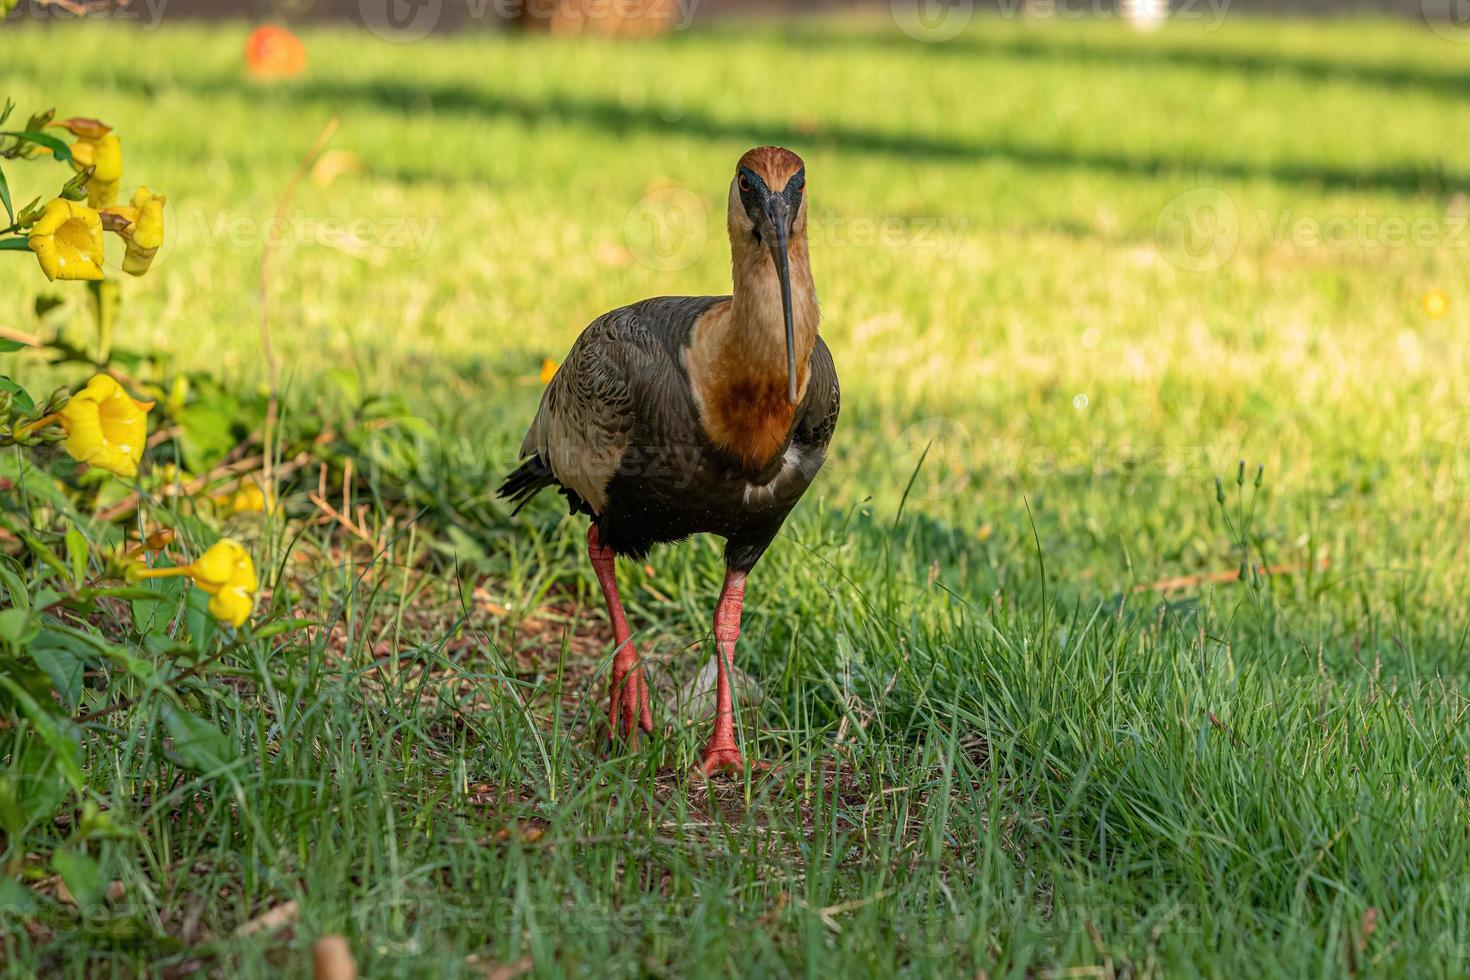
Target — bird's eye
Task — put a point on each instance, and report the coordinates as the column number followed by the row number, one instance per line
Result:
column 744, row 184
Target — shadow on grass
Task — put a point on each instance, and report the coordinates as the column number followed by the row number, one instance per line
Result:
column 1256, row 65
column 612, row 116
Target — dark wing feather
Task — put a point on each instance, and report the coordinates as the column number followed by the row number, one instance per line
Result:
column 587, row 417
column 621, row 374
column 527, row 480
column 823, row 402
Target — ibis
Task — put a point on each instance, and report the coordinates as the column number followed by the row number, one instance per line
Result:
column 686, row 415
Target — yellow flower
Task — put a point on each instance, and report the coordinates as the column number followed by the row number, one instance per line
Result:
column 226, row 572
column 140, row 225
column 548, row 371
column 106, row 427
column 169, row 473
column 104, row 153
column 248, row 499
column 1436, row 304
column 67, row 239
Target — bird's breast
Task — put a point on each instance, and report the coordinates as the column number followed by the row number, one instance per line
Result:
column 749, row 418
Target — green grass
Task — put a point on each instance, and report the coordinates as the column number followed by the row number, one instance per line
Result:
column 999, row 753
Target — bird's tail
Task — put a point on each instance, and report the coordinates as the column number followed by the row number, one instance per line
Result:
column 525, row 482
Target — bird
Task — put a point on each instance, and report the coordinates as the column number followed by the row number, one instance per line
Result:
column 684, row 415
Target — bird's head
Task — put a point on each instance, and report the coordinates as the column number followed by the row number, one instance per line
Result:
column 768, row 212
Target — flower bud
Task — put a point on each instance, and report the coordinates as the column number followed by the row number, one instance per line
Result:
column 28, row 215
column 159, row 539
column 76, row 188
column 85, row 128
column 40, row 120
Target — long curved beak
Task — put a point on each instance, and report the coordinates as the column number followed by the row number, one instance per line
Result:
column 779, row 212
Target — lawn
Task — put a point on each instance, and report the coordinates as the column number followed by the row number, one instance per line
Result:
column 1027, row 720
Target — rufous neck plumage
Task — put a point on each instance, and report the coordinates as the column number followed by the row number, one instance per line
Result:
column 756, row 334
column 738, row 356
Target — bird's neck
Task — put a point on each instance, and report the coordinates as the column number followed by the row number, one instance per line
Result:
column 737, row 355
column 754, row 341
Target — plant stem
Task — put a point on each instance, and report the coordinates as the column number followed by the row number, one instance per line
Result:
column 40, row 423
column 170, row 572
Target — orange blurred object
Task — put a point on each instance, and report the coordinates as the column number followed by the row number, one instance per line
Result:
column 274, row 52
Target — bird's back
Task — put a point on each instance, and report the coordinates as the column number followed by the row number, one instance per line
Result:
column 623, row 373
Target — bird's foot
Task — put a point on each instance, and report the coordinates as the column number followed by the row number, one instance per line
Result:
column 628, row 709
column 726, row 760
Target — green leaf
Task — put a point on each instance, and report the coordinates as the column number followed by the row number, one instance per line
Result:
column 100, row 824
column 86, row 644
column 153, row 615
column 19, row 397
column 15, row 243
column 8, row 346
column 24, row 673
column 197, row 617
column 280, row 626
column 82, row 875
column 16, row 897
column 46, row 598
column 28, row 479
column 5, row 196
column 58, row 149
column 59, row 734
column 207, row 432
column 12, row 813
column 30, row 789
column 49, row 557
column 76, row 554
column 15, row 626
column 20, row 596
column 198, row 743
column 63, row 659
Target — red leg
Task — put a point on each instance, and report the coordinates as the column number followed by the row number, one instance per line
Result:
column 628, row 702
column 722, row 754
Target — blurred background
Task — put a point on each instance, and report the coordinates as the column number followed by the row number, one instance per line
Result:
column 618, row 17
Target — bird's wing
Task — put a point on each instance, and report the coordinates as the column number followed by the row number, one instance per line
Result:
column 823, row 401
column 589, row 411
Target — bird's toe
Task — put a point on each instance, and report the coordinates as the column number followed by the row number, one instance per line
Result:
column 724, row 761
column 628, row 710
